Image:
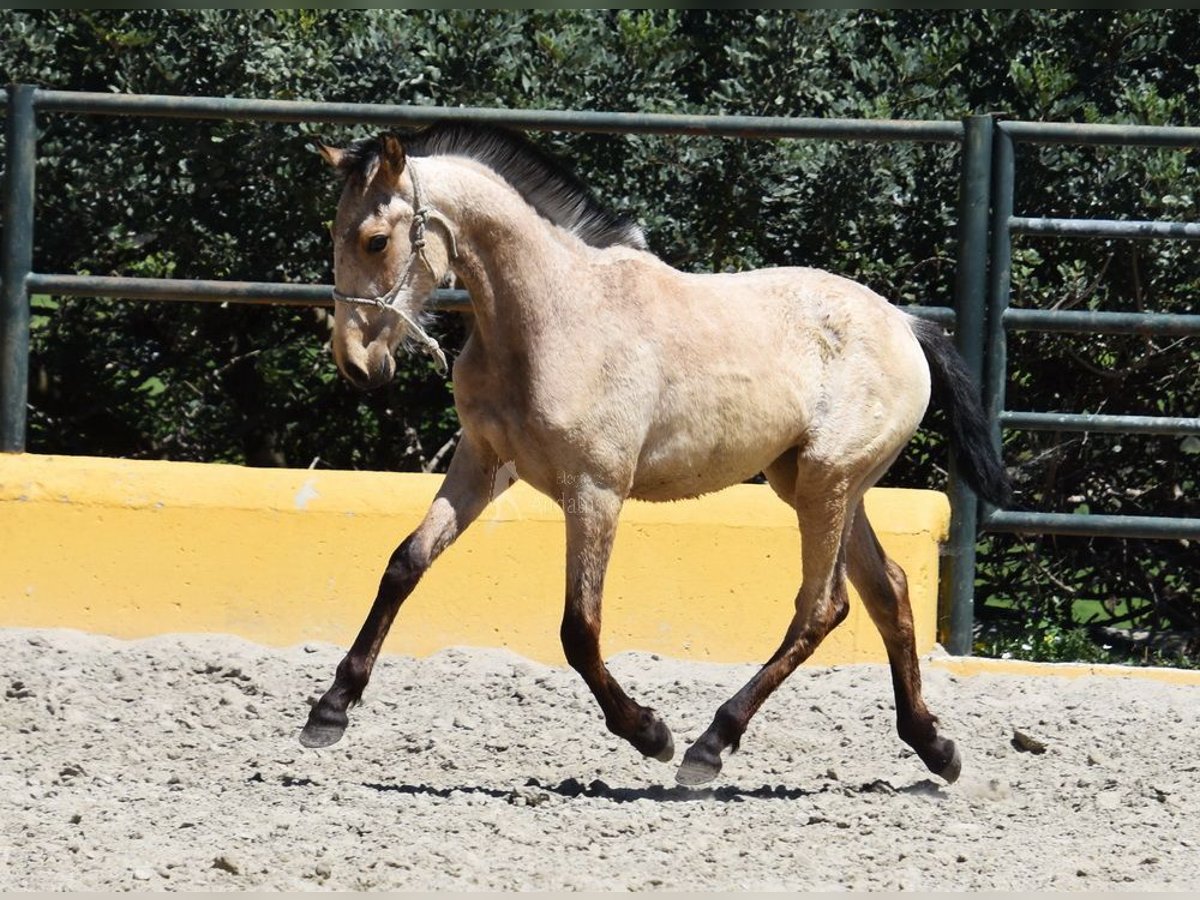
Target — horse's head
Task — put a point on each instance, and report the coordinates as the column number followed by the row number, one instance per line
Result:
column 387, row 259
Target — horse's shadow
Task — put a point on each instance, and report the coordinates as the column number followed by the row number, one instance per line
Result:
column 573, row 788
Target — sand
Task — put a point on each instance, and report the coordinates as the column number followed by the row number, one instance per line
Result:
column 172, row 764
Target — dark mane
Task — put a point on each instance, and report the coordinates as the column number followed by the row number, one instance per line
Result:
column 544, row 181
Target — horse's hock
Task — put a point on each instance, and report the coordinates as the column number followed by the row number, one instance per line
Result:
column 137, row 548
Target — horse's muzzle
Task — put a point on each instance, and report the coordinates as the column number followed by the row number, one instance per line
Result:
column 369, row 373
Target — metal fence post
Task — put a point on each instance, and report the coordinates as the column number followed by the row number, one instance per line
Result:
column 16, row 262
column 970, row 293
column 999, row 281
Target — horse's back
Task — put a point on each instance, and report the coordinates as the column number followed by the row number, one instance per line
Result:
column 760, row 362
column 812, row 324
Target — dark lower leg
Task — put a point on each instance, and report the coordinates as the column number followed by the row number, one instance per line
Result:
column 639, row 725
column 591, row 527
column 702, row 761
column 327, row 720
column 821, row 604
column 916, row 725
column 884, row 590
column 470, row 482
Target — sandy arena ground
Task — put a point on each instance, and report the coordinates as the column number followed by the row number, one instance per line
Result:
column 172, row 764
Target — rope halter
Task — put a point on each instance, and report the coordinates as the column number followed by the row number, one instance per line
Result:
column 423, row 213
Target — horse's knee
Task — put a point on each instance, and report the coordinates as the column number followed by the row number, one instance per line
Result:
column 897, row 580
column 405, row 566
column 839, row 604
column 580, row 641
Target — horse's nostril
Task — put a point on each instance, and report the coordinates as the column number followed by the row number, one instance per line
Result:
column 356, row 374
column 368, row 374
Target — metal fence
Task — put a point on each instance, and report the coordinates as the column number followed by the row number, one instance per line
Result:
column 980, row 317
column 999, row 318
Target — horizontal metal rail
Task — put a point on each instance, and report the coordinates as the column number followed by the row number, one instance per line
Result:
column 265, row 293
column 167, row 106
column 1078, row 321
column 567, row 120
column 199, row 291
column 1093, row 525
column 1046, row 227
column 1098, row 424
column 189, row 290
column 234, row 109
column 1091, row 133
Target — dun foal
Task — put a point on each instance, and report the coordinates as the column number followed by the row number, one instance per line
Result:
column 597, row 373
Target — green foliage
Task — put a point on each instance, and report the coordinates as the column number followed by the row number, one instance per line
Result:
column 210, row 199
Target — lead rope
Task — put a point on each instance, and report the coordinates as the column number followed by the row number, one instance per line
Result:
column 422, row 214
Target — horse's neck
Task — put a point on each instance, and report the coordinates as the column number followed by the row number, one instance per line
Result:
column 512, row 262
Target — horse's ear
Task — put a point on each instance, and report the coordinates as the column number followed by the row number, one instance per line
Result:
column 392, row 158
column 331, row 155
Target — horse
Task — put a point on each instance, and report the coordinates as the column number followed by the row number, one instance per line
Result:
column 596, row 372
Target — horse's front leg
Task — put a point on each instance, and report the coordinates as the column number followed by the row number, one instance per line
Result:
column 469, row 484
column 591, row 517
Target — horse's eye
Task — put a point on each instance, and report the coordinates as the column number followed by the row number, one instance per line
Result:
column 377, row 243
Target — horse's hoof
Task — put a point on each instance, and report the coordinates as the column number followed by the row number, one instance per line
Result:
column 698, row 767
column 952, row 769
column 653, row 739
column 667, row 753
column 324, row 727
column 940, row 757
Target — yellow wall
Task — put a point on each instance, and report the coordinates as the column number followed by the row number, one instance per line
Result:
column 135, row 548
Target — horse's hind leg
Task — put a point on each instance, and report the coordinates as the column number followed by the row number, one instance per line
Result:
column 591, row 518
column 469, row 484
column 884, row 590
column 821, row 604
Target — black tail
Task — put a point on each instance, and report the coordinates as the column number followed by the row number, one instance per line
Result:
column 956, row 393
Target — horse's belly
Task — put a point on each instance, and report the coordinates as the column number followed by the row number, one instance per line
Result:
column 708, row 454
column 660, row 486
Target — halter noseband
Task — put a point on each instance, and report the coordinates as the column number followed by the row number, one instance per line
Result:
column 422, row 214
